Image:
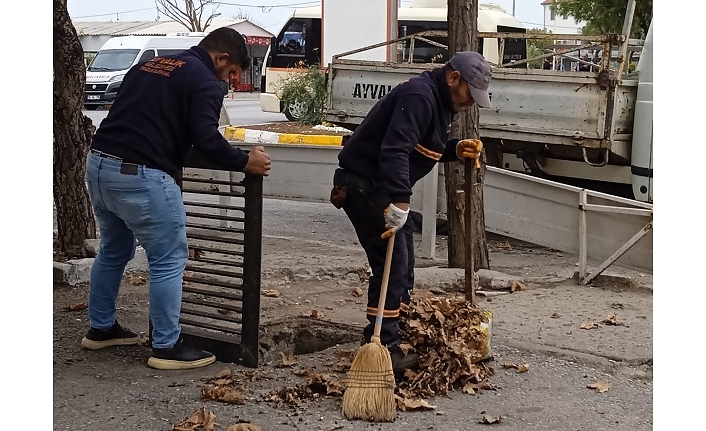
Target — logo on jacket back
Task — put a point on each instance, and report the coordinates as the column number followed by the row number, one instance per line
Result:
column 162, row 66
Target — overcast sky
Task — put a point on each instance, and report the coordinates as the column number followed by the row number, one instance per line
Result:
column 270, row 18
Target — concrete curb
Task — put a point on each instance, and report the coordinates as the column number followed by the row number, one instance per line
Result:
column 73, row 272
column 78, row 271
column 250, row 136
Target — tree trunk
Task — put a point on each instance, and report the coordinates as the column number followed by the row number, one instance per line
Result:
column 463, row 19
column 72, row 136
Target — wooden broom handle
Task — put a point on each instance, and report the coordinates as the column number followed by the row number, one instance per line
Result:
column 383, row 287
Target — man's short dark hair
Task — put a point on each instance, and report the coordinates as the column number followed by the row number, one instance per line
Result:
column 225, row 39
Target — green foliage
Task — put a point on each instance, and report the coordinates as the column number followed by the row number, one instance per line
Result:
column 305, row 88
column 607, row 16
column 537, row 47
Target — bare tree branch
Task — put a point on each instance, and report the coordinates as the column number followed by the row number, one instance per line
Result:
column 189, row 13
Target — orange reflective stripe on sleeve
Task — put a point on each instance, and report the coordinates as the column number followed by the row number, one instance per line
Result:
column 427, row 152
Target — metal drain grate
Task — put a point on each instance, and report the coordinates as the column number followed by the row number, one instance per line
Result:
column 221, row 289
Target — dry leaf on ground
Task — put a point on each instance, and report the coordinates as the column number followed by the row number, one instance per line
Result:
column 516, row 286
column 199, row 420
column 136, row 280
column 223, row 393
column 589, row 325
column 411, row 404
column 75, row 307
column 271, row 293
column 357, row 292
column 599, row 386
column 472, row 388
column 612, row 320
column 319, row 384
column 521, row 368
column 224, row 387
column 288, row 359
column 345, row 360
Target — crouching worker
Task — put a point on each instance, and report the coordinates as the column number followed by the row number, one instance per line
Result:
column 401, row 139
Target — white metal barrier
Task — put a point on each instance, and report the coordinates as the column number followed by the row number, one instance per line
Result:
column 592, row 225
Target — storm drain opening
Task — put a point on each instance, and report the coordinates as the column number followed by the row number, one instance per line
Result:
column 304, row 335
column 220, row 309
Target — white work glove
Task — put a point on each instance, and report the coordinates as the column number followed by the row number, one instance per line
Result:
column 395, row 218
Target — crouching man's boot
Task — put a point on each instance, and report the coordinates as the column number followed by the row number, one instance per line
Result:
column 402, row 362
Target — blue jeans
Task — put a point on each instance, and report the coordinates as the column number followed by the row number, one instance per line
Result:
column 147, row 206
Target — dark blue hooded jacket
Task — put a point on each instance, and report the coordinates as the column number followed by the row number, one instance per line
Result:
column 404, row 135
column 164, row 107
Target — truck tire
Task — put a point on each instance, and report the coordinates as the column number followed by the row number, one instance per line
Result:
column 294, row 111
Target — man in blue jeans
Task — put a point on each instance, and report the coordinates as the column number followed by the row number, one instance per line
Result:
column 400, row 140
column 165, row 107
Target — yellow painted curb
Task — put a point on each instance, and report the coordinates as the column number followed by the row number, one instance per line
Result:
column 290, row 138
column 233, row 133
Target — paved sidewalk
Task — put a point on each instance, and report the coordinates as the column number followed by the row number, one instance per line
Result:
column 311, row 257
column 322, row 266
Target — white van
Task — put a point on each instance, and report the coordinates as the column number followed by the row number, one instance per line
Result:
column 118, row 54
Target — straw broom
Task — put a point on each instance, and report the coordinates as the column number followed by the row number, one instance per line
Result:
column 370, row 387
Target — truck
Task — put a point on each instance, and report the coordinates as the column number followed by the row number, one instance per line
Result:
column 305, row 32
column 118, row 54
column 586, row 128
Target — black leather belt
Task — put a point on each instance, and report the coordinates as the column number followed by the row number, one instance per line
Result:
column 125, row 168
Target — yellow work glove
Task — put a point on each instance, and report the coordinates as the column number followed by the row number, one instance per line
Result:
column 469, row 149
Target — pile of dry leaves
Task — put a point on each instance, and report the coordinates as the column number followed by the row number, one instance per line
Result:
column 452, row 337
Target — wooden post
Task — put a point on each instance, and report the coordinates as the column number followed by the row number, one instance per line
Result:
column 469, row 180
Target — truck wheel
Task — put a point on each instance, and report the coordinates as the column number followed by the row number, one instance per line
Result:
column 91, row 107
column 294, row 111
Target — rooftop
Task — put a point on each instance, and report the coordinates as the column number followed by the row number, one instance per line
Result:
column 160, row 28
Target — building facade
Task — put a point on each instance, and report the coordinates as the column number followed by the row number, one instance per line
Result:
column 562, row 24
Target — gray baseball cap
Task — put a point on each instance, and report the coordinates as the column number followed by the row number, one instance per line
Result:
column 475, row 70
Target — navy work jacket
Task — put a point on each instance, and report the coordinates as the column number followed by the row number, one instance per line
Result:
column 165, row 106
column 404, row 135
